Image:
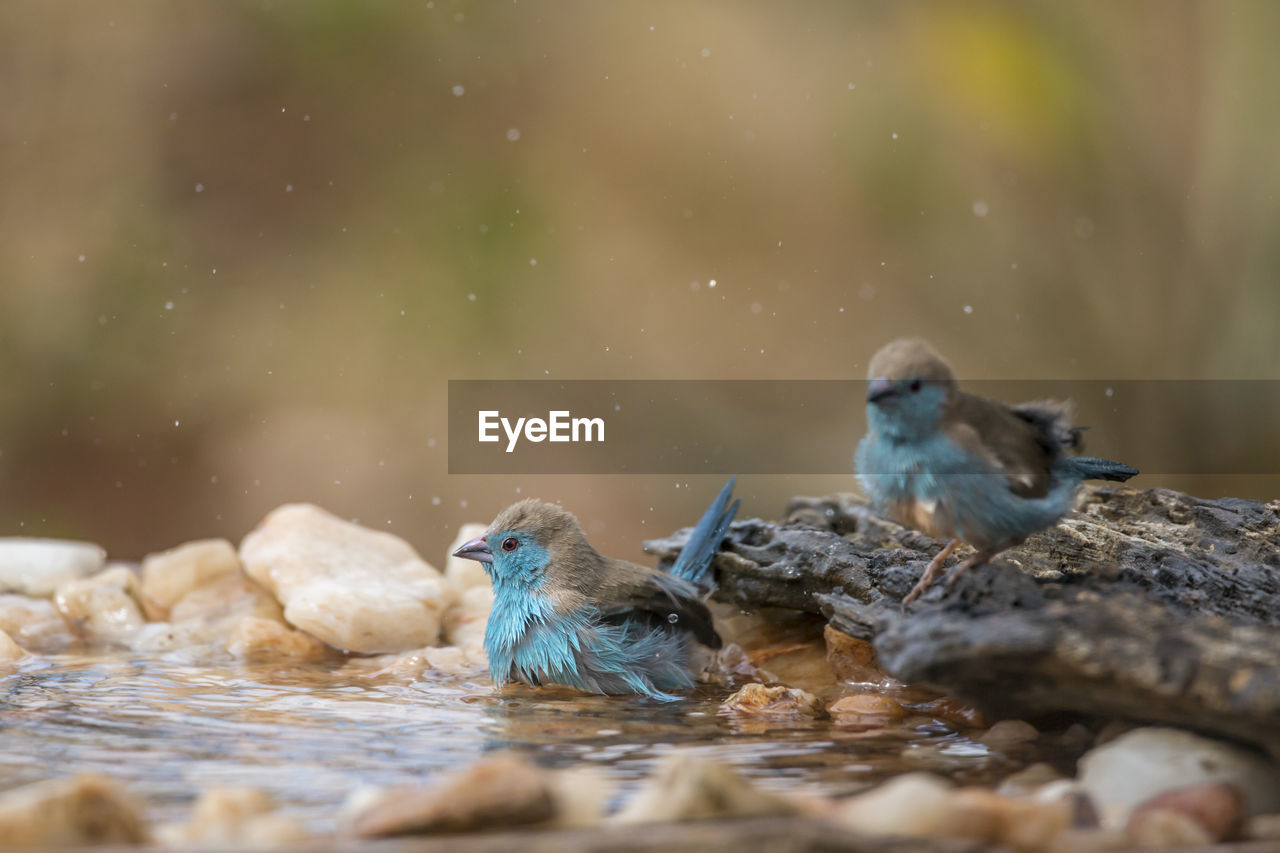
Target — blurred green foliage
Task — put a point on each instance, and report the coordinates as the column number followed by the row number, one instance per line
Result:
column 244, row 245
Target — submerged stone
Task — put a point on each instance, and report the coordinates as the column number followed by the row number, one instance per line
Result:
column 763, row 701
column 70, row 812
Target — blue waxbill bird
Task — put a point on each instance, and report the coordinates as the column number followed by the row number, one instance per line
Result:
column 958, row 466
column 563, row 613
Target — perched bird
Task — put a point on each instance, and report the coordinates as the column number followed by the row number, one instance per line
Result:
column 958, row 466
column 565, row 614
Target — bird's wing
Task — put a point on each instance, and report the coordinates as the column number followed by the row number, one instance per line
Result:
column 634, row 590
column 1021, row 443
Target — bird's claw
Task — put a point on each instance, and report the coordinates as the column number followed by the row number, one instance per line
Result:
column 931, row 573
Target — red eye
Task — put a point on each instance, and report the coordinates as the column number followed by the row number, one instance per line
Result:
column 510, row 543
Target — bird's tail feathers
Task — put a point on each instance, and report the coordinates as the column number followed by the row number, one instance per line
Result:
column 695, row 558
column 1094, row 468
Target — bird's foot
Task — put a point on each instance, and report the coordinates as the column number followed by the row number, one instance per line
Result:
column 931, row 573
column 976, row 560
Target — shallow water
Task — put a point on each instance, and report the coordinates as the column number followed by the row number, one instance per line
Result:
column 310, row 735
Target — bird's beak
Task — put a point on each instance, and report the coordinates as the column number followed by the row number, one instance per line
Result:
column 477, row 549
column 878, row 389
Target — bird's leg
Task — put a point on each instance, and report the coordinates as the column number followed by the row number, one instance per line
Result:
column 977, row 559
column 931, row 572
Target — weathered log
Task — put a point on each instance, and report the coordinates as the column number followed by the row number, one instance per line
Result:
column 1153, row 606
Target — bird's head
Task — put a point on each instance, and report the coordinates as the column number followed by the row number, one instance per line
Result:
column 524, row 541
column 908, row 387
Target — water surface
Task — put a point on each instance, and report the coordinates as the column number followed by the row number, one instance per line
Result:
column 312, row 734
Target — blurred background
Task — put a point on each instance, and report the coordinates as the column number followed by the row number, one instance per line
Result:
column 245, row 245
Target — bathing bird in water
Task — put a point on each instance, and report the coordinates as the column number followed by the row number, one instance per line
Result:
column 563, row 613
column 962, row 467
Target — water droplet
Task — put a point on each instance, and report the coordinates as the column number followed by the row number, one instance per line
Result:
column 980, row 208
column 458, row 91
column 673, row 618
column 513, row 134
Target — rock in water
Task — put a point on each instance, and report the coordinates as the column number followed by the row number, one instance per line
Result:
column 356, row 589
column 34, row 623
column 9, row 650
column 759, row 700
column 257, row 639
column 465, row 622
column 37, row 566
column 105, row 608
column 169, row 575
column 234, row 817
column 1144, row 763
column 72, row 812
column 1217, row 808
column 497, row 791
column 688, row 788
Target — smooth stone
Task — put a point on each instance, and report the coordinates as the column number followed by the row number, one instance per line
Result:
column 256, row 639
column 169, row 575
column 1216, row 806
column 863, row 707
column 104, row 608
column 419, row 663
column 462, row 574
column 921, row 805
column 1137, row 766
column 912, row 804
column 1164, row 828
column 1028, row 780
column 226, row 600
column 464, row 623
column 496, row 791
column 9, row 650
column 685, row 787
column 356, row 589
column 234, row 817
column 1263, row 828
column 70, row 812
column 37, row 567
column 758, row 700
column 207, row 615
column 1008, row 734
column 34, row 623
column 1021, row 823
column 161, row 637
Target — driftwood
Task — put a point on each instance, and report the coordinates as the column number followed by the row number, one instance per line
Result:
column 1152, row 606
